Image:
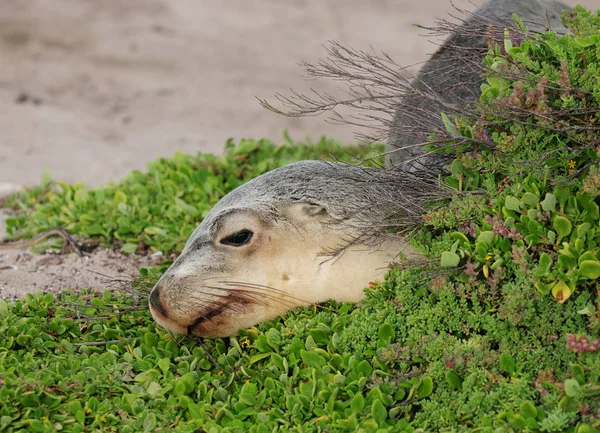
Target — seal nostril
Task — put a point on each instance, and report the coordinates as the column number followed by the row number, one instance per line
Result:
column 155, row 301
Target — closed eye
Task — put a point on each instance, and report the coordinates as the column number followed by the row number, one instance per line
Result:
column 238, row 239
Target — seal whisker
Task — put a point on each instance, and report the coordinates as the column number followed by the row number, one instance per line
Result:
column 266, row 295
column 265, row 290
column 262, row 302
column 254, row 285
column 279, row 301
column 257, row 290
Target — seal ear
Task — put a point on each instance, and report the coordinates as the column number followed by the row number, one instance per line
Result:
column 304, row 211
column 312, row 210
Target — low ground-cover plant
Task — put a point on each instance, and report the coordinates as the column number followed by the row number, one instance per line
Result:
column 536, row 156
column 484, row 347
column 411, row 357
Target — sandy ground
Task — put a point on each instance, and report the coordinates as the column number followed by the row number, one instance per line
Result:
column 91, row 89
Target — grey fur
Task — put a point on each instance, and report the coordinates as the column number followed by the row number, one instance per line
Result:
column 352, row 201
column 450, row 79
column 358, row 197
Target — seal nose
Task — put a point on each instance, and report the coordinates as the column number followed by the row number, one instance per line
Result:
column 155, row 300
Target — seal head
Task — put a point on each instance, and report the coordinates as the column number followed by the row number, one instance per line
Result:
column 294, row 236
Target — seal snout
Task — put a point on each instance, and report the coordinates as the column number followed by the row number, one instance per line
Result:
column 160, row 315
column 155, row 301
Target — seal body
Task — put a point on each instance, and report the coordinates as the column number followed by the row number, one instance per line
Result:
column 298, row 235
column 313, row 231
column 451, row 77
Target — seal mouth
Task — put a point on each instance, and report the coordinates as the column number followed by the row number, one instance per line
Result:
column 209, row 315
column 165, row 321
column 234, row 303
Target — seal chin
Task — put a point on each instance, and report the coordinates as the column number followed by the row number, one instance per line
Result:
column 167, row 323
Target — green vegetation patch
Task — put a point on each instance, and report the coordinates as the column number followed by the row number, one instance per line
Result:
column 412, row 356
column 535, row 165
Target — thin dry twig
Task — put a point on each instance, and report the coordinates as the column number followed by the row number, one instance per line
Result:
column 69, row 242
column 385, row 103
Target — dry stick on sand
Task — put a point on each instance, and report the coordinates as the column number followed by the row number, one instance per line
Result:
column 57, row 231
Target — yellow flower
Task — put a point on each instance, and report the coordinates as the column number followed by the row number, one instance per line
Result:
column 220, row 373
column 488, row 257
column 103, row 419
column 245, row 343
column 88, row 410
column 571, row 164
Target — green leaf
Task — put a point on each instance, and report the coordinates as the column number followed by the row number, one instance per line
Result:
column 3, row 308
column 578, row 373
column 512, row 203
column 155, row 231
column 36, row 426
column 449, row 126
column 425, row 388
column 562, row 226
column 129, row 248
column 461, row 238
column 568, row 404
column 449, row 260
column 588, row 310
column 549, row 203
column 81, row 196
column 497, row 82
column 153, row 388
column 545, row 263
column 528, row 410
column 453, row 379
column 518, row 422
column 593, row 210
column 365, row 368
column 187, row 208
column 590, row 269
column 562, row 194
column 189, row 382
column 561, row 291
column 319, row 336
column 357, row 403
column 261, row 344
column 378, row 412
column 582, row 229
column 149, row 422
column 586, row 42
column 312, row 359
column 164, row 364
column 255, row 358
column 456, row 167
column 487, row 237
column 507, row 364
column 531, row 200
column 386, row 334
column 508, row 45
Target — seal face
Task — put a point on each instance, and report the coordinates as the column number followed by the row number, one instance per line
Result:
column 291, row 237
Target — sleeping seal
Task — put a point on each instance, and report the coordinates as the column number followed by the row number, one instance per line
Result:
column 298, row 235
column 314, row 231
